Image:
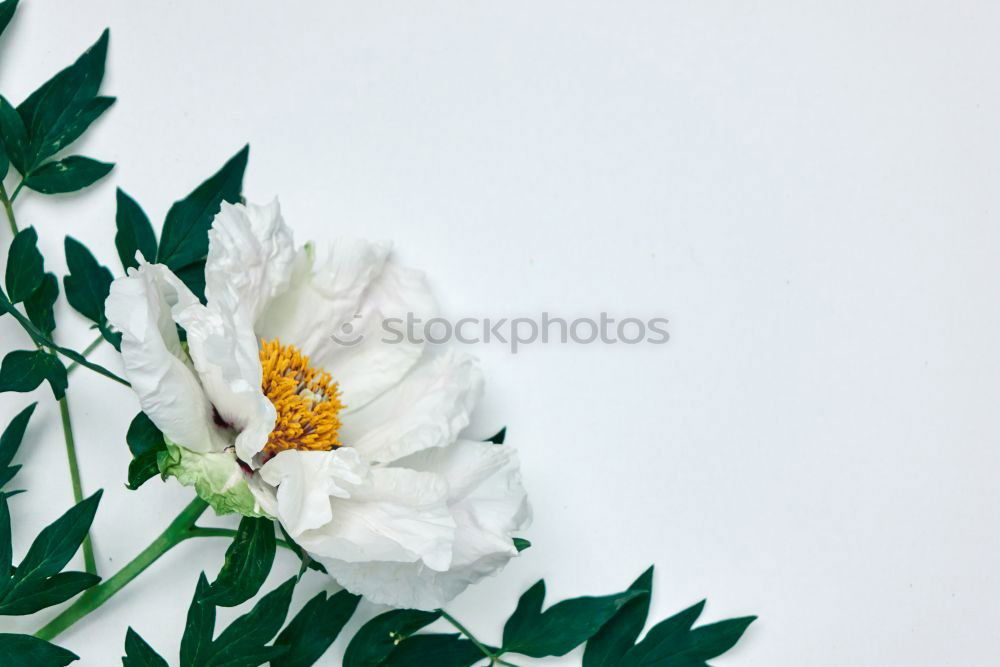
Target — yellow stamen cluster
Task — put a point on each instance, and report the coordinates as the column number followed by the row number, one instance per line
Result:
column 307, row 401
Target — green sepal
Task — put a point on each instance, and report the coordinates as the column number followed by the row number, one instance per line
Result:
column 216, row 477
column 145, row 441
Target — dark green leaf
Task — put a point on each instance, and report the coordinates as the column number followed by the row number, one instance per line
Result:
column 14, row 135
column 6, row 13
column 248, row 562
column 243, row 642
column 87, row 286
column 24, row 266
column 24, row 370
column 434, row 649
column 67, row 175
column 54, row 113
column 145, row 441
column 27, row 598
column 193, row 275
column 4, row 161
column 196, row 644
column 135, row 234
column 28, row 651
column 305, row 558
column 73, row 124
column 57, row 542
column 521, row 544
column 141, row 469
column 499, row 437
column 185, row 232
column 6, row 548
column 314, row 628
column 673, row 641
column 606, row 648
column 562, row 627
column 10, row 441
column 378, row 637
column 39, row 306
column 140, row 654
column 143, row 436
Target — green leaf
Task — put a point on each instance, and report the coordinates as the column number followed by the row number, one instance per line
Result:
column 14, row 135
column 185, row 231
column 145, row 441
column 248, row 562
column 10, row 441
column 6, row 13
column 37, row 582
column 24, row 266
column 434, row 649
column 244, row 642
column 67, row 175
column 498, row 437
column 4, row 161
column 378, row 637
column 673, row 641
column 24, row 370
column 135, row 233
column 314, row 629
column 28, row 651
column 562, row 627
column 305, row 558
column 87, row 287
column 6, row 547
column 30, row 598
column 142, row 469
column 606, row 648
column 140, row 654
column 40, row 305
column 57, row 542
column 193, row 275
column 62, row 108
column 521, row 544
column 196, row 644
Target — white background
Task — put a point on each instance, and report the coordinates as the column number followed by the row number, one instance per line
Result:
column 807, row 190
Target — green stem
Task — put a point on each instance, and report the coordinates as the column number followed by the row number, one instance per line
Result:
column 201, row 531
column 86, row 352
column 89, row 564
column 486, row 650
column 17, row 190
column 8, row 208
column 178, row 531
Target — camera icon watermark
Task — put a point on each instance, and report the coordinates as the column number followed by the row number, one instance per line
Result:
column 515, row 332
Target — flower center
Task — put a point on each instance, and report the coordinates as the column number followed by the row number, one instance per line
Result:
column 307, row 401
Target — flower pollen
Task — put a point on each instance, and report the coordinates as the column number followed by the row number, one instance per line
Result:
column 307, row 401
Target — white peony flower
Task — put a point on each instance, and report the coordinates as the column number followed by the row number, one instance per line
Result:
column 355, row 449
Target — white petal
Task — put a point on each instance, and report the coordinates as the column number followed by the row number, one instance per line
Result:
column 250, row 255
column 489, row 505
column 324, row 292
column 305, row 481
column 369, row 359
column 143, row 306
column 224, row 351
column 390, row 515
column 428, row 408
column 334, row 311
